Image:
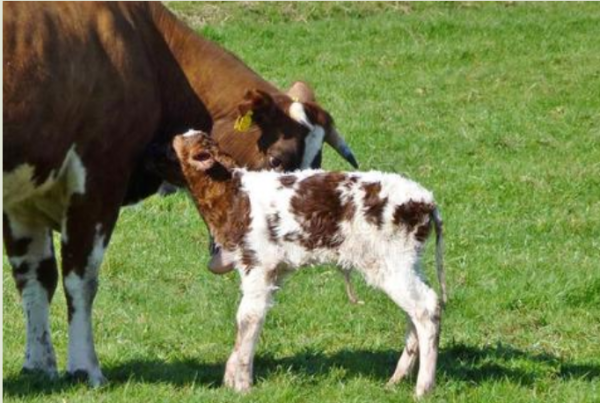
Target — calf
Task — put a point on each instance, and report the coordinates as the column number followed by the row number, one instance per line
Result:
column 268, row 224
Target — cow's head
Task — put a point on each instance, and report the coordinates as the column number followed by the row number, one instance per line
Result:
column 279, row 131
column 283, row 132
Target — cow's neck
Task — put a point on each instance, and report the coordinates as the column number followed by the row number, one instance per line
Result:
column 203, row 75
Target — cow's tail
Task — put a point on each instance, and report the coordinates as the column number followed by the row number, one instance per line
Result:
column 439, row 253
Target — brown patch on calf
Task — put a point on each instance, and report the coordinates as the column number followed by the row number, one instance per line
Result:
column 319, row 209
column 292, row 236
column 218, row 194
column 276, row 275
column 349, row 209
column 237, row 211
column 374, row 204
column 350, row 182
column 224, row 206
column 422, row 231
column 249, row 258
column 273, row 222
column 413, row 215
column 237, row 222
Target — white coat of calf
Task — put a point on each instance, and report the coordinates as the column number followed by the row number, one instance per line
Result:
column 268, row 224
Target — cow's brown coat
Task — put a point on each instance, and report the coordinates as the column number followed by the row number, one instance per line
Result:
column 109, row 81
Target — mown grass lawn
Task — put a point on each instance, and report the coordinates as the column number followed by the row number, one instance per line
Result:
column 496, row 107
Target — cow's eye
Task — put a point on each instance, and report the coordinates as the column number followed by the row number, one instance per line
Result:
column 275, row 162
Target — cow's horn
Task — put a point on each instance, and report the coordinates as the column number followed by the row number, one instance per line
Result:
column 298, row 113
column 335, row 140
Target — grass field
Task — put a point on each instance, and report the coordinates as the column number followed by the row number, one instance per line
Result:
column 495, row 107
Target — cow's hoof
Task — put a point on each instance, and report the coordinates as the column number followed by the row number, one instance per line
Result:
column 77, row 376
column 95, row 379
column 51, row 373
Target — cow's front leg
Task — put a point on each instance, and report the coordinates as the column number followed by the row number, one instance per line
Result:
column 257, row 295
column 85, row 238
column 31, row 255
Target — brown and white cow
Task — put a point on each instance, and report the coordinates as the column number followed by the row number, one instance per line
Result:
column 270, row 224
column 89, row 88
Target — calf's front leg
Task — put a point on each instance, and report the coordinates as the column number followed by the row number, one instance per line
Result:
column 257, row 292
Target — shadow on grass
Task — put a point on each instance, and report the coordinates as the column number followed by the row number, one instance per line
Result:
column 457, row 363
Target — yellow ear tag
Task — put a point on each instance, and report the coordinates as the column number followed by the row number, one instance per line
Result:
column 243, row 123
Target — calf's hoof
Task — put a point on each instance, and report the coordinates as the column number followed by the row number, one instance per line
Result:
column 229, row 380
column 230, row 372
column 357, row 301
column 239, row 386
column 392, row 382
column 422, row 390
column 242, row 386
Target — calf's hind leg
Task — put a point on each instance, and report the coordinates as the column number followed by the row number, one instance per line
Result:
column 407, row 361
column 407, row 289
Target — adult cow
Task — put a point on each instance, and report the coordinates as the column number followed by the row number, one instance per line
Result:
column 88, row 87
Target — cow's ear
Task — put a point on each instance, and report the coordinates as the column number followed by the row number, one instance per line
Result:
column 257, row 105
column 202, row 160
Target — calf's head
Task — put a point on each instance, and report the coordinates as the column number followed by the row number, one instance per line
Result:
column 199, row 157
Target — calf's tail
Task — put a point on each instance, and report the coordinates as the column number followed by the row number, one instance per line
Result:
column 439, row 253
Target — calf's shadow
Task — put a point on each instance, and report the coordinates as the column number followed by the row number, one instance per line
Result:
column 458, row 363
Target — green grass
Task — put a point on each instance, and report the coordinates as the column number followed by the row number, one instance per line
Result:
column 495, row 107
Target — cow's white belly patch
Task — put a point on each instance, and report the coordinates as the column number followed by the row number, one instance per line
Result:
column 43, row 204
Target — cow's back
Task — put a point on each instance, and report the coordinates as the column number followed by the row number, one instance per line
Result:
column 76, row 75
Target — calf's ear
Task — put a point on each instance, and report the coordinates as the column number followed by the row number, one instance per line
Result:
column 202, row 160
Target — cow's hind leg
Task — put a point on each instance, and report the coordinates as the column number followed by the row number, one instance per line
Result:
column 31, row 255
column 406, row 287
column 257, row 291
column 89, row 224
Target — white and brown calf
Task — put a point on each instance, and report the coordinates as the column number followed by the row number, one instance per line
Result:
column 269, row 224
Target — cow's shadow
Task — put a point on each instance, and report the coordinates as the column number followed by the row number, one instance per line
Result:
column 457, row 363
